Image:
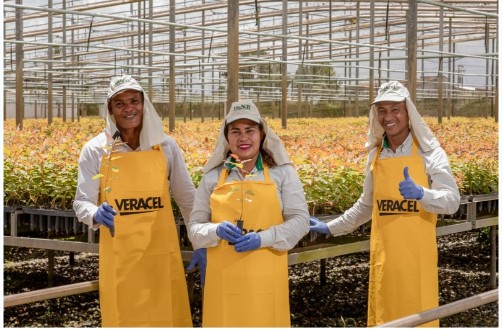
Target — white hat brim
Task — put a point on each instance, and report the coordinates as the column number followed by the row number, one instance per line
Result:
column 243, row 116
column 116, row 92
column 389, row 98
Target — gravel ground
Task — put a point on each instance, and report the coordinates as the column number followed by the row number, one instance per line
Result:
column 341, row 302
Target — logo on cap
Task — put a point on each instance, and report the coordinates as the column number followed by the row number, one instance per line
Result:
column 383, row 90
column 242, row 107
column 121, row 81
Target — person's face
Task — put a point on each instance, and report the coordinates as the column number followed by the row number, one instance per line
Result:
column 393, row 117
column 127, row 107
column 244, row 138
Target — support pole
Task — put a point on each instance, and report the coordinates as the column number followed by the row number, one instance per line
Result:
column 411, row 38
column 233, row 53
column 322, row 272
column 357, row 89
column 50, row 268
column 495, row 76
column 19, row 67
column 63, row 49
column 284, row 66
column 493, row 257
column 371, row 90
column 50, row 100
column 202, row 71
column 150, row 48
column 440, row 69
column 300, row 68
column 487, row 72
column 450, row 75
column 172, row 74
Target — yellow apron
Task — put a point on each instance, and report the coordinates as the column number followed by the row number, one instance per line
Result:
column 141, row 276
column 403, row 251
column 248, row 289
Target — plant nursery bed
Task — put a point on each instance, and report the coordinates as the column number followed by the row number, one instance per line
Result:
column 341, row 302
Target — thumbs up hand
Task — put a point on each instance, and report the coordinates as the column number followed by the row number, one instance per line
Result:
column 408, row 188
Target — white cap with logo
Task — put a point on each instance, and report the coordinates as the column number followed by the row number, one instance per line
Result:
column 246, row 109
column 120, row 84
column 394, row 91
column 152, row 130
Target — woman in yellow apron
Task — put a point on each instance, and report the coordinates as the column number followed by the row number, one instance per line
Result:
column 408, row 182
column 249, row 210
column 129, row 171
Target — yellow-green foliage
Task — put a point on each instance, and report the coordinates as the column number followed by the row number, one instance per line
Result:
column 40, row 161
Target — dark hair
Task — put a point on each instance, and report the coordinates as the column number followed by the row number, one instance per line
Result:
column 267, row 158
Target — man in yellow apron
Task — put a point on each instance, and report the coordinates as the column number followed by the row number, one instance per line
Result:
column 129, row 171
column 408, row 182
column 249, row 210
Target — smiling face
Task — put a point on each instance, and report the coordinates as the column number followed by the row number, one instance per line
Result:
column 127, row 108
column 393, row 117
column 244, row 137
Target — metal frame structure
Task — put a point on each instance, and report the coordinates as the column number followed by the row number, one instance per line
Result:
column 62, row 53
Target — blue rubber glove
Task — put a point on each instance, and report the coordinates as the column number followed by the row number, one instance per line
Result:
column 228, row 231
column 318, row 226
column 105, row 215
column 408, row 188
column 199, row 258
column 248, row 242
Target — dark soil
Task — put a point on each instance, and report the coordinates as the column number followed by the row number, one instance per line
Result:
column 341, row 302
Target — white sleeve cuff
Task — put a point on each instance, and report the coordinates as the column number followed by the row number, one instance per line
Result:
column 267, row 238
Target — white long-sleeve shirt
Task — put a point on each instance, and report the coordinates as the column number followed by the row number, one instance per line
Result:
column 202, row 233
column 440, row 197
column 87, row 194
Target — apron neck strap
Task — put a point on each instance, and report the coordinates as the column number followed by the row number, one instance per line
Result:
column 223, row 176
column 377, row 155
column 266, row 173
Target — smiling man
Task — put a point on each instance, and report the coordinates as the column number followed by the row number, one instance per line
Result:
column 126, row 176
column 408, row 182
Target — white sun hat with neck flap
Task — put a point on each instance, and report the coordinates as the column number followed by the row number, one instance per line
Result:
column 246, row 109
column 152, row 131
column 394, row 91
